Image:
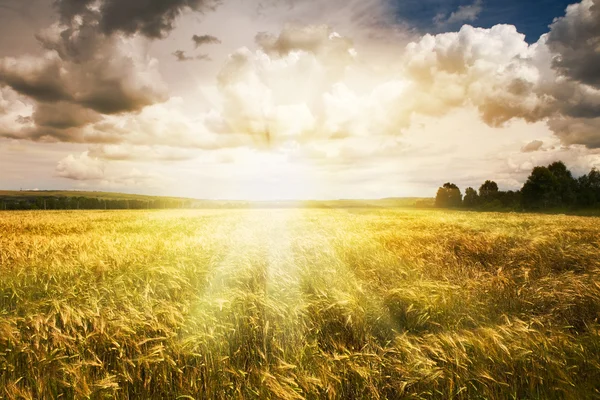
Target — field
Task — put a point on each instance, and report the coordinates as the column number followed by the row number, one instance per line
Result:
column 298, row 303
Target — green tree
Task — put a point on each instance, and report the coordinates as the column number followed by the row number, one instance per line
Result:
column 566, row 185
column 488, row 192
column 540, row 190
column 448, row 196
column 588, row 189
column 552, row 186
column 471, row 199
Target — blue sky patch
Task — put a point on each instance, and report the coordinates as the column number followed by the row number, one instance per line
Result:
column 531, row 17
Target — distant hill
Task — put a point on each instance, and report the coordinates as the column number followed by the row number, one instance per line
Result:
column 68, row 200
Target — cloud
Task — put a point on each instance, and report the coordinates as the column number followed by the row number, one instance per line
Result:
column 341, row 94
column 320, row 40
column 94, row 66
column 181, row 56
column 468, row 13
column 304, row 84
column 346, row 94
column 578, row 158
column 260, row 95
column 573, row 43
column 571, row 131
column 82, row 76
column 160, row 125
column 88, row 169
column 151, row 18
column 63, row 115
column 574, row 40
column 532, row 146
column 15, row 112
column 205, row 39
column 128, row 152
column 80, row 168
column 107, row 74
column 506, row 79
column 39, row 78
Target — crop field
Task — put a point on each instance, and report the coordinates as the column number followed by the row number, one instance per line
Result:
column 298, row 304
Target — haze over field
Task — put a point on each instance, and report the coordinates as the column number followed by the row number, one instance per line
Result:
column 282, row 99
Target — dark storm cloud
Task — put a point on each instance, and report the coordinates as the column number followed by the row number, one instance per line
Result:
column 574, row 39
column 106, row 83
column 69, row 9
column 83, row 75
column 574, row 44
column 151, row 18
column 584, row 131
column 88, row 71
column 205, row 39
column 38, row 79
column 63, row 116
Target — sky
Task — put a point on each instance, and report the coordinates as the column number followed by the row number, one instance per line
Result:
column 295, row 99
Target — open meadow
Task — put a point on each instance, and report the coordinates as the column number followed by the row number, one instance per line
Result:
column 298, row 303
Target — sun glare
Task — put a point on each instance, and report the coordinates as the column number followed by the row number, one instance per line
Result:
column 272, row 176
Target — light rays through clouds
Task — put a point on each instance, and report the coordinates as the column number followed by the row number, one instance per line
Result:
column 297, row 103
column 275, row 276
column 256, row 284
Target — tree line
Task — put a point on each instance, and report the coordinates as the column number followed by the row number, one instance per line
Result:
column 547, row 188
column 88, row 203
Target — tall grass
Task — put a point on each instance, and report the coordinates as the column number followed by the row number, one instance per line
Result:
column 294, row 304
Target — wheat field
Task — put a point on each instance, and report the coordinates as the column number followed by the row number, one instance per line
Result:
column 298, row 304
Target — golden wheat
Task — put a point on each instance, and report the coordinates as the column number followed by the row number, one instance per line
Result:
column 294, row 304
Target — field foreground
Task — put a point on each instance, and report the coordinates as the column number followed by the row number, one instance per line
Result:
column 298, row 303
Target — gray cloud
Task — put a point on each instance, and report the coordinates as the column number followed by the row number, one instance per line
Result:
column 181, row 56
column 532, row 146
column 63, row 116
column 24, row 120
column 82, row 76
column 311, row 38
column 89, row 70
column 571, row 131
column 574, row 40
column 205, row 39
column 37, row 78
column 151, row 18
column 468, row 13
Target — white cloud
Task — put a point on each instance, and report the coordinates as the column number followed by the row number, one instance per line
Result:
column 87, row 170
column 81, row 168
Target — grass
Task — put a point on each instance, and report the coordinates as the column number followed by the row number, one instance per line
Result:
column 299, row 303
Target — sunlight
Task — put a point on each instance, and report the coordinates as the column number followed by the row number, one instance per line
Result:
column 257, row 266
column 272, row 176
